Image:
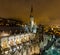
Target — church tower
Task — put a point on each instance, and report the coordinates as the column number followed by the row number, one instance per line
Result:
column 31, row 19
column 33, row 26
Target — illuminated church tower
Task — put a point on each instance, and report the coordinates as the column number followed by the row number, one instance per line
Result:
column 33, row 26
column 31, row 19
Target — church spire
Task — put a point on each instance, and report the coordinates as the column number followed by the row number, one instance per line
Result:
column 31, row 11
column 31, row 18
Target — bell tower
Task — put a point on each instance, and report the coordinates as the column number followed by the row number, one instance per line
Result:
column 31, row 19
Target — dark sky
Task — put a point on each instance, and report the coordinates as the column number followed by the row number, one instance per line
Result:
column 44, row 11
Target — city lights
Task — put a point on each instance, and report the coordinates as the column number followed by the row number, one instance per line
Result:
column 29, row 27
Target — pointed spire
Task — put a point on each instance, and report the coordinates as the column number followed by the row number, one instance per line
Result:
column 31, row 11
column 31, row 8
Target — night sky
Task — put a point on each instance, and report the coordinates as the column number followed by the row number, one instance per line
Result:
column 44, row 11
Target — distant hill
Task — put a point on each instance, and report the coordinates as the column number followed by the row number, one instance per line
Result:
column 10, row 22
